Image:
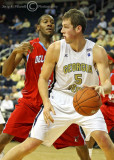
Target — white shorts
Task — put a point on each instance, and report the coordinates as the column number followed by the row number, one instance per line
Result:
column 62, row 120
column 1, row 119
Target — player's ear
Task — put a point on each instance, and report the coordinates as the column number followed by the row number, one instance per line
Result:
column 78, row 28
column 110, row 61
column 38, row 28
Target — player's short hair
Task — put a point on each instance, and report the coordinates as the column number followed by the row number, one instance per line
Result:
column 44, row 15
column 77, row 18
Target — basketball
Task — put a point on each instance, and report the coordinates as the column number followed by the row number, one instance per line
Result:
column 87, row 101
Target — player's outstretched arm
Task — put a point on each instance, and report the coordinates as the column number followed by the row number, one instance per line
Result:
column 15, row 57
column 51, row 59
column 101, row 60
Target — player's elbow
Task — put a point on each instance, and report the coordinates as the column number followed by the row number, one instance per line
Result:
column 5, row 74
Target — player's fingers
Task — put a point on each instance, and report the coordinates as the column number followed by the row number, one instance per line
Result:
column 46, row 120
column 101, row 91
column 53, row 111
column 50, row 118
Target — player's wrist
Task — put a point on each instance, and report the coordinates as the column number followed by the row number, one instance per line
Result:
column 46, row 102
column 15, row 51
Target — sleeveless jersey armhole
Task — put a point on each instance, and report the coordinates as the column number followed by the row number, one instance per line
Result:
column 61, row 56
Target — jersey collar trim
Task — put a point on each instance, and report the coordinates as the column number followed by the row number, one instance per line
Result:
column 42, row 45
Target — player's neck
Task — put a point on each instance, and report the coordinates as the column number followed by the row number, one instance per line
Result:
column 45, row 40
column 78, row 44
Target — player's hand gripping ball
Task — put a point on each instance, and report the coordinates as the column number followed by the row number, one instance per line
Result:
column 87, row 101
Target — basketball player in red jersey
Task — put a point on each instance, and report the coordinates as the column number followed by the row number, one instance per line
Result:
column 20, row 122
column 107, row 107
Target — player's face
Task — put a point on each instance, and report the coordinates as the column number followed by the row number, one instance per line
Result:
column 69, row 33
column 47, row 26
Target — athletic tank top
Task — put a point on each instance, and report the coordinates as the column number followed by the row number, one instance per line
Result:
column 35, row 61
column 73, row 70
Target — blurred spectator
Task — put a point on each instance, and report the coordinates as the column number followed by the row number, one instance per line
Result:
column 6, row 39
column 84, row 7
column 109, row 35
column 15, row 76
column 20, row 83
column 112, row 21
column 4, row 19
column 51, row 10
column 34, row 33
column 90, row 15
column 16, row 26
column 16, row 19
column 110, row 42
column 1, row 97
column 7, row 104
column 8, row 83
column 65, row 7
column 3, row 60
column 12, row 46
column 2, row 43
column 26, row 23
column 102, row 23
column 17, row 95
column 77, row 4
column 59, row 24
column 71, row 5
column 110, row 27
column 101, row 32
column 62, row 11
column 101, row 41
column 95, row 33
column 56, row 37
column 21, row 71
column 101, row 15
column 112, row 51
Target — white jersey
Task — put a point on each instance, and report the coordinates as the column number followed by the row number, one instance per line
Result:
column 73, row 70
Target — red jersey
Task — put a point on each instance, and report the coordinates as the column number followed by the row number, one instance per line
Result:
column 35, row 61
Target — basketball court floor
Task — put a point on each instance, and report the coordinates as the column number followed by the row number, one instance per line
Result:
column 50, row 153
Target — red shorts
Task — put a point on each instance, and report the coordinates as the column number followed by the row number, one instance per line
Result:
column 20, row 122
column 108, row 113
column 71, row 137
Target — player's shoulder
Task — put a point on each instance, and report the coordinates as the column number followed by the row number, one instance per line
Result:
column 55, row 46
column 99, row 53
column 36, row 40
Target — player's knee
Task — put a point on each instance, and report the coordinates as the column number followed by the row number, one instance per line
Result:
column 30, row 144
column 104, row 141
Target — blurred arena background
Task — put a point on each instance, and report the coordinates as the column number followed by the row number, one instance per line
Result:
column 18, row 19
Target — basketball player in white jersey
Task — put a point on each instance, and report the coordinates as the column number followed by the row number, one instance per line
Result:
column 74, row 58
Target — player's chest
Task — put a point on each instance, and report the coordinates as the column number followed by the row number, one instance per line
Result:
column 37, row 57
